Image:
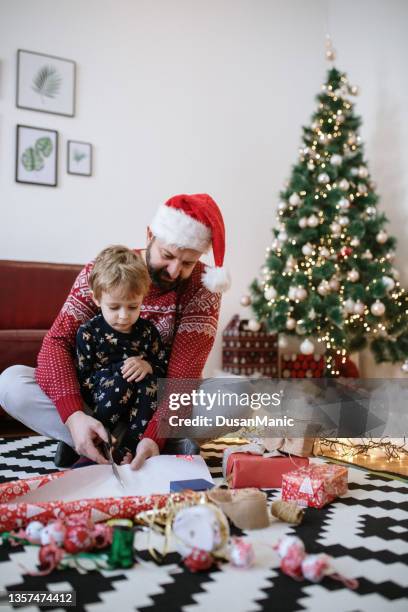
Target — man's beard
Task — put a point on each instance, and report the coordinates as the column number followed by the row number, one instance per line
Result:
column 159, row 276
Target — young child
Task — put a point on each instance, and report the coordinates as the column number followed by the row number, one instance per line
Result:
column 119, row 356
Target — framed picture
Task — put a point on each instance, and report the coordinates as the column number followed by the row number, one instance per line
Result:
column 36, row 156
column 79, row 158
column 45, row 83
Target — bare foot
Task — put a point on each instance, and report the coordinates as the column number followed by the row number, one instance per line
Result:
column 126, row 459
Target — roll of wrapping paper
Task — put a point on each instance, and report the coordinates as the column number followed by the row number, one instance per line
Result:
column 288, row 512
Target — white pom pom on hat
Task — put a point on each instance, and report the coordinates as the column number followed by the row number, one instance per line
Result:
column 195, row 222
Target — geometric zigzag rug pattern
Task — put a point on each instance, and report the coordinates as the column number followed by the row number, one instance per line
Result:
column 366, row 532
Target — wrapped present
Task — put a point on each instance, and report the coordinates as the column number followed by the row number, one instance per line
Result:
column 247, row 352
column 315, row 485
column 247, row 470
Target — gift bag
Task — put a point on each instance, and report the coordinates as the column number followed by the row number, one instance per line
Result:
column 246, row 352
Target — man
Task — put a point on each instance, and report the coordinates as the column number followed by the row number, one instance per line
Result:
column 183, row 303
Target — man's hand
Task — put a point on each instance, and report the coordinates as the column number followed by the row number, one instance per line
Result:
column 135, row 369
column 145, row 449
column 85, row 431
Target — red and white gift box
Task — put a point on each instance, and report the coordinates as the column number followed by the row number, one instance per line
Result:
column 315, row 485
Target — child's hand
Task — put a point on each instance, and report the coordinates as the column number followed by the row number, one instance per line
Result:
column 135, row 369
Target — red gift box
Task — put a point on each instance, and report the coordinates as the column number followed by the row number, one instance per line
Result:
column 245, row 470
column 315, row 485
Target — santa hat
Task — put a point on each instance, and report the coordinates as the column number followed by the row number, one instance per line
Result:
column 195, row 222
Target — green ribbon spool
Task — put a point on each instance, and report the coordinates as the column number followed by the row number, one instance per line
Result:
column 121, row 550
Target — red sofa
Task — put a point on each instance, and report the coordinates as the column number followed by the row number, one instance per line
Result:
column 32, row 295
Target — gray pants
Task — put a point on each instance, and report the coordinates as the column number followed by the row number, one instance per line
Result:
column 22, row 398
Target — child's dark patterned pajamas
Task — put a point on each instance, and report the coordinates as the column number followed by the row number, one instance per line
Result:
column 101, row 352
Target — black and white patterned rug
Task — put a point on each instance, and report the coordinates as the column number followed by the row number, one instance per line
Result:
column 366, row 532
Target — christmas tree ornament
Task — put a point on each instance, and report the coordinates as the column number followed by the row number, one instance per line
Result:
column 334, row 283
column 362, row 172
column 294, row 199
column 344, row 221
column 324, row 252
column 303, row 222
column 354, row 90
column 203, row 527
column 246, row 300
column 313, row 221
column 354, row 172
column 395, row 273
column 307, row 347
column 381, row 237
column 276, row 245
column 353, row 275
column 301, row 294
column 377, row 309
column 78, row 538
column 310, row 165
column 344, row 204
column 371, row 211
column 362, row 188
column 349, row 305
column 241, row 553
column 352, row 139
column 388, row 282
column 316, row 567
column 336, row 160
column 354, row 242
column 198, row 560
column 300, row 327
column 33, row 532
column 367, row 254
column 323, row 288
column 359, row 308
column 292, row 293
column 345, row 252
column 270, row 293
column 53, row 533
column 312, row 314
column 282, row 236
column 290, row 323
column 323, row 177
column 335, row 228
column 344, row 184
column 253, row 325
column 307, row 249
column 390, row 256
column 282, row 206
column 291, row 552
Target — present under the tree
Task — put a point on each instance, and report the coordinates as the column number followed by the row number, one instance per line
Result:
column 247, row 352
column 315, row 485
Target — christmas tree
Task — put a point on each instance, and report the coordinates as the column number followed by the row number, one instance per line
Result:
column 329, row 276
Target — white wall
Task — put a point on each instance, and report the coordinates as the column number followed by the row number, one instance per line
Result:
column 189, row 96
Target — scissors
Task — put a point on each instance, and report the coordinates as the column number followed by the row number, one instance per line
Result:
column 107, row 447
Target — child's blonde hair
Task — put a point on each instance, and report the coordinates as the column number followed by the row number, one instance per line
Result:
column 118, row 266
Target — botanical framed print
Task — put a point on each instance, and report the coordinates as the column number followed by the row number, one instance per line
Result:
column 45, row 83
column 79, row 158
column 36, row 156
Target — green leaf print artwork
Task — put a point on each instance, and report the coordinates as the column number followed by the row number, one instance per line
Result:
column 78, row 156
column 33, row 157
column 47, row 82
column 44, row 146
column 31, row 160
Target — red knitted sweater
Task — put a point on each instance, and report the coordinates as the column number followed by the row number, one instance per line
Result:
column 186, row 319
